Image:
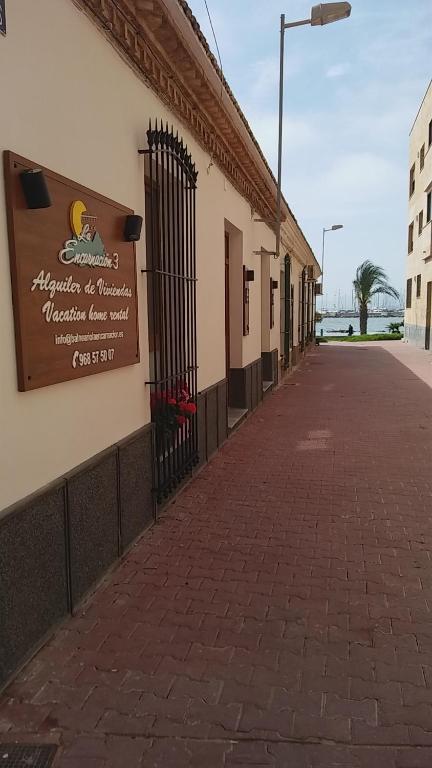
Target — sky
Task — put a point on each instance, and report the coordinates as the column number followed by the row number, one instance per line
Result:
column 352, row 91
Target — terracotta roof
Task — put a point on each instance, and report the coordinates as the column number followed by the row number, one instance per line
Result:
column 163, row 43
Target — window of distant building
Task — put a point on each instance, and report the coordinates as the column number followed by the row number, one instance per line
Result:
column 420, row 227
column 408, row 293
column 428, row 206
column 418, row 286
column 422, row 154
column 412, row 180
column 410, row 237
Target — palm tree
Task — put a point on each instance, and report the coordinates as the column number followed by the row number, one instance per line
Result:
column 395, row 327
column 370, row 280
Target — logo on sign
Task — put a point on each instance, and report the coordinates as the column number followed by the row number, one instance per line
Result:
column 85, row 248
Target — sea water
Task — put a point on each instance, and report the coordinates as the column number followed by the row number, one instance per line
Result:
column 338, row 326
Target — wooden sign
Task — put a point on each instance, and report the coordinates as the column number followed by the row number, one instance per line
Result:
column 73, row 281
column 2, row 17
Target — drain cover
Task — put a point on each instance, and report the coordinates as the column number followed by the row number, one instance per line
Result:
column 27, row 755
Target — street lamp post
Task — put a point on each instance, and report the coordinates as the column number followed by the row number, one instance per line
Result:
column 324, row 13
column 330, row 229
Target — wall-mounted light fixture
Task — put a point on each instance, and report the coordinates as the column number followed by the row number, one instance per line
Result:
column 273, row 285
column 132, row 228
column 35, row 188
column 248, row 277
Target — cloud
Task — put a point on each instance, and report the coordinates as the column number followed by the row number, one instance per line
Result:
column 338, row 70
column 264, row 79
column 357, row 181
column 352, row 94
column 298, row 134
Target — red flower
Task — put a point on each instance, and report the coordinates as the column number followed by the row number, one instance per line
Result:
column 171, row 401
column 181, row 420
column 189, row 408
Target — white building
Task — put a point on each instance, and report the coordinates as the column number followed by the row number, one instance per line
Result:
column 418, row 313
column 125, row 359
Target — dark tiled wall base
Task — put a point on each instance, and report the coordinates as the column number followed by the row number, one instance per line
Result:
column 212, row 420
column 245, row 389
column 270, row 366
column 93, row 522
column 222, row 412
column 135, row 486
column 33, row 575
column 56, row 544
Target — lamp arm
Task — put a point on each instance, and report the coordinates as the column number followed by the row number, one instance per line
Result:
column 292, row 24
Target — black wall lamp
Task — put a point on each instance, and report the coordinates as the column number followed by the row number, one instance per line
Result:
column 275, row 284
column 248, row 277
column 35, row 188
column 132, row 228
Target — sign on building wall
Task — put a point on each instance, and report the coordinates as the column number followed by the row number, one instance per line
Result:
column 73, row 281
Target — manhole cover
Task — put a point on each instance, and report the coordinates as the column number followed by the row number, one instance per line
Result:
column 26, row 756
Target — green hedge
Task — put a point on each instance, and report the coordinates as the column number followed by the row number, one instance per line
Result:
column 362, row 337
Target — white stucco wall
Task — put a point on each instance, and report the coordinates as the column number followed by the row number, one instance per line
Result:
column 415, row 317
column 70, row 103
column 296, row 270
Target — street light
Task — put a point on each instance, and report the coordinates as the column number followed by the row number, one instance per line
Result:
column 327, row 13
column 330, row 229
column 324, row 13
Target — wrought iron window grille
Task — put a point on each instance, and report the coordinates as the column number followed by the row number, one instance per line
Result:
column 171, row 179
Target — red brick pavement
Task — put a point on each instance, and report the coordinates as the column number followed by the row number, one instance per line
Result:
column 279, row 613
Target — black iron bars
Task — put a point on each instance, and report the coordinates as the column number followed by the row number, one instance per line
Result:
column 171, row 266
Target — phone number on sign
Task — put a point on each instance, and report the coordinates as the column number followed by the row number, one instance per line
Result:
column 80, row 359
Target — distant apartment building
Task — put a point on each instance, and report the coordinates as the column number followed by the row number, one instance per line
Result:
column 418, row 313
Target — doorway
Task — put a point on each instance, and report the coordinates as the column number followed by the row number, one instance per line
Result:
column 428, row 315
column 227, row 311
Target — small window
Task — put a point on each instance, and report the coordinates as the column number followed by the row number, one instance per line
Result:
column 410, row 237
column 412, row 181
column 408, row 293
column 420, row 227
column 430, row 133
column 422, row 154
column 428, row 206
column 418, row 286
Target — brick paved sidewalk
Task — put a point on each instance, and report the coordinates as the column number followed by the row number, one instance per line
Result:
column 279, row 613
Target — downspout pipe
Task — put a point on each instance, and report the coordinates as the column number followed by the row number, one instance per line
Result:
column 303, row 308
column 287, row 325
